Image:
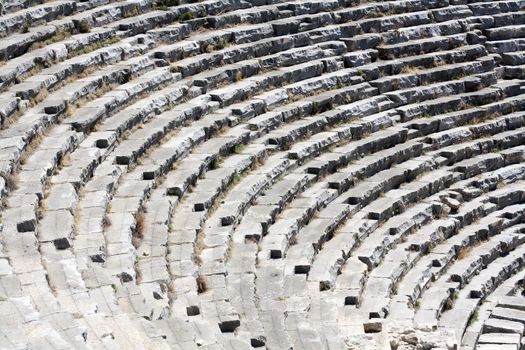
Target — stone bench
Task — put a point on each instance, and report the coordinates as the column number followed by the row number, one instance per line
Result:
column 503, row 46
column 444, row 28
column 192, row 226
column 411, row 240
column 141, row 23
column 136, row 144
column 92, row 148
column 318, row 142
column 449, row 120
column 479, row 164
column 105, row 13
column 17, row 45
column 513, row 59
column 370, row 165
column 312, row 105
column 135, row 207
column 465, row 270
column 93, row 112
column 459, row 238
column 245, row 88
column 495, row 273
column 444, row 104
column 321, row 229
column 458, row 317
column 236, row 53
column 508, row 18
column 251, row 15
column 350, row 281
column 421, row 46
column 502, row 326
column 508, row 301
column 495, row 8
column 370, row 188
column 139, row 111
column 505, row 33
column 36, row 15
column 498, row 340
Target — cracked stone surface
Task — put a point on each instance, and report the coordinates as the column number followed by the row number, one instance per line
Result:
column 238, row 174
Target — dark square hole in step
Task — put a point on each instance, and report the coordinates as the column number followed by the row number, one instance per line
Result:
column 229, row 326
column 373, row 314
column 227, row 220
column 353, row 200
column 258, row 342
column 61, row 243
column 148, row 175
column 193, row 310
column 302, row 269
column 122, row 160
column 351, row 300
column 476, row 294
column 276, row 254
column 199, row 207
column 54, row 108
column 102, row 143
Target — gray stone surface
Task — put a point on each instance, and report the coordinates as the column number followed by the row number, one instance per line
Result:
column 249, row 174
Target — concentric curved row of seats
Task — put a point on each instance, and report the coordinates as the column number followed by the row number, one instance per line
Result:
column 237, row 174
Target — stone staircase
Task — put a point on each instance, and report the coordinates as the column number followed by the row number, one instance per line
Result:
column 237, row 174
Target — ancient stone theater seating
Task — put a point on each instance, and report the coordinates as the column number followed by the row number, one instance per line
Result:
column 237, row 174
